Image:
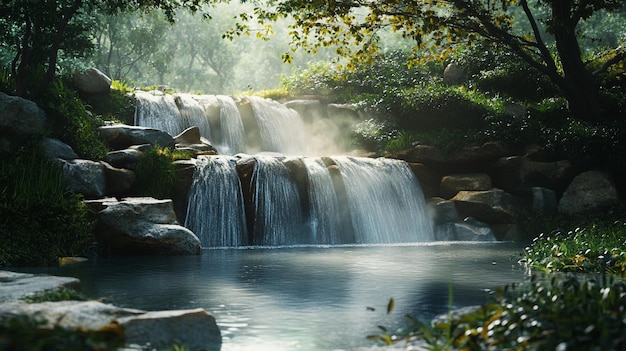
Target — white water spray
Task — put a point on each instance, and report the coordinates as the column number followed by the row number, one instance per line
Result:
column 215, row 210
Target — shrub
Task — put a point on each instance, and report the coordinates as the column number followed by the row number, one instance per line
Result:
column 71, row 122
column 39, row 220
column 156, row 172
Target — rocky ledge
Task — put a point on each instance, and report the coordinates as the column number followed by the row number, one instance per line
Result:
column 194, row 328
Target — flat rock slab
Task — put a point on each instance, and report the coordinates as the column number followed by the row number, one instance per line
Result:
column 16, row 286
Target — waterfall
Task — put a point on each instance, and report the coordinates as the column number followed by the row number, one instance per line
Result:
column 159, row 111
column 385, row 201
column 282, row 130
column 215, row 210
column 324, row 218
column 278, row 218
column 193, row 114
column 228, row 135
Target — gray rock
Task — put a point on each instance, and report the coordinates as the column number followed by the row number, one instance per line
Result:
column 544, row 200
column 143, row 225
column 589, row 192
column 452, row 184
column 20, row 119
column 454, row 74
column 54, row 148
column 190, row 135
column 121, row 136
column 92, row 81
column 194, row 328
column 442, row 211
column 491, row 206
column 473, row 230
column 518, row 175
column 309, row 110
column 126, row 158
column 118, row 180
column 16, row 286
column 85, row 177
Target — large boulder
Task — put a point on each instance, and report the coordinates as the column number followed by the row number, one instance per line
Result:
column 452, row 184
column 126, row 158
column 590, row 191
column 20, row 119
column 121, row 136
column 92, row 81
column 454, row 74
column 85, row 177
column 16, row 286
column 309, row 110
column 471, row 159
column 518, row 175
column 491, row 206
column 55, row 148
column 143, row 226
column 194, row 328
column 118, row 180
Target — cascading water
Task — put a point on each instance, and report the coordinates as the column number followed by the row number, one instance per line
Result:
column 281, row 128
column 385, row 201
column 324, row 218
column 278, row 218
column 215, row 210
column 361, row 201
column 229, row 138
column 193, row 114
column 159, row 111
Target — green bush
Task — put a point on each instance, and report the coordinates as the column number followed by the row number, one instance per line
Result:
column 39, row 220
column 71, row 122
column 156, row 172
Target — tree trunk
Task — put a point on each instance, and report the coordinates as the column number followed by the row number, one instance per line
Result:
column 579, row 85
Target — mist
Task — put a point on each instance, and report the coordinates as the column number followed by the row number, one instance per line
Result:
column 143, row 49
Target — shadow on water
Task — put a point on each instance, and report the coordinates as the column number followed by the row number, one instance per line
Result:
column 309, row 298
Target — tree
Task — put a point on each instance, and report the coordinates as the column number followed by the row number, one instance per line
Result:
column 37, row 32
column 438, row 26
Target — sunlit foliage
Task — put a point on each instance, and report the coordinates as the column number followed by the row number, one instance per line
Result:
column 440, row 26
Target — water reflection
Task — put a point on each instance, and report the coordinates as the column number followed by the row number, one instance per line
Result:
column 305, row 298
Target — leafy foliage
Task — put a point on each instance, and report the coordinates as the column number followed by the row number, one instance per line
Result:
column 62, row 294
column 439, row 27
column 71, row 121
column 39, row 220
column 156, row 173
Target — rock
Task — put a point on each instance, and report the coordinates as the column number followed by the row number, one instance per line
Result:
column 429, row 180
column 342, row 111
column 16, row 286
column 190, row 135
column 85, row 177
column 20, row 119
column 473, row 230
column 491, row 206
column 442, row 211
column 185, row 170
column 55, row 148
column 471, row 159
column 454, row 74
column 118, row 180
column 143, row 226
column 589, row 192
column 121, row 136
column 452, row 184
column 518, row 175
column 194, row 328
column 544, row 200
column 92, row 81
column 309, row 110
column 126, row 158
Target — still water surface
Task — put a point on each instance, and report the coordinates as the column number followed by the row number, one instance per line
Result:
column 305, row 298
